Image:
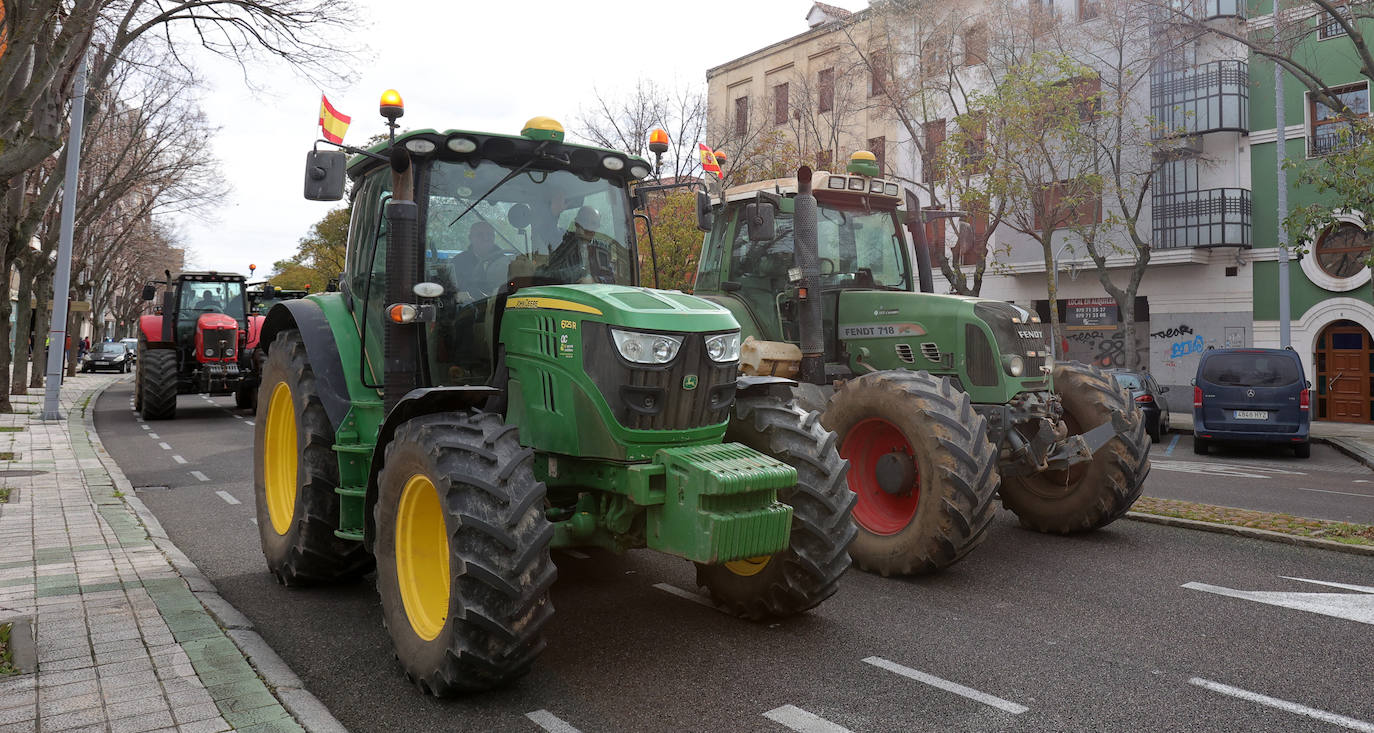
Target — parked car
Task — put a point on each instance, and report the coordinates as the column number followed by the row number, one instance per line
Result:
column 108, row 356
column 1148, row 397
column 1256, row 396
column 132, row 345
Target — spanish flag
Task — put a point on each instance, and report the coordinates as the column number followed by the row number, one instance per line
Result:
column 709, row 163
column 333, row 123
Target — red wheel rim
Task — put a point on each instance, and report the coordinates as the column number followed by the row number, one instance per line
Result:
column 876, row 510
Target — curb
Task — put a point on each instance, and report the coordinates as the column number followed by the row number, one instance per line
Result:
column 1255, row 534
column 1351, row 448
column 309, row 712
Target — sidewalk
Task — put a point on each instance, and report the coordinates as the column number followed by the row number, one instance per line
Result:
column 1353, row 439
column 126, row 640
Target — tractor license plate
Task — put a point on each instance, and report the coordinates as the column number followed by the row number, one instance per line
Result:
column 1252, row 415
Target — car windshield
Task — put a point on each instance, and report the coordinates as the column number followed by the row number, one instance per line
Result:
column 852, row 245
column 1127, row 380
column 111, row 349
column 563, row 228
column 1250, row 369
column 212, row 297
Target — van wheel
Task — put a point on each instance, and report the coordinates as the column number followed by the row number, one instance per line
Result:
column 1303, row 450
column 1200, row 446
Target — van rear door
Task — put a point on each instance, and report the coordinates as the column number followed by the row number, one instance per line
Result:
column 1253, row 391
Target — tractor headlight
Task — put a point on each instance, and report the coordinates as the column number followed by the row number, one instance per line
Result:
column 723, row 347
column 209, row 352
column 229, row 351
column 1016, row 366
column 646, row 348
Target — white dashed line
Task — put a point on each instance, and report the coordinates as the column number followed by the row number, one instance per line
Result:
column 164, row 446
column 254, row 520
column 577, row 554
column 178, row 459
column 200, row 476
column 247, row 422
column 680, row 593
column 550, row 722
column 146, row 427
column 1291, row 707
column 154, row 436
column 1342, row 493
column 238, row 417
column 228, row 497
column 801, row 721
column 948, row 686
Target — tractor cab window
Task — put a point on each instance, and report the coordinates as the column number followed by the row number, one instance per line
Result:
column 538, row 228
column 857, row 249
column 211, row 297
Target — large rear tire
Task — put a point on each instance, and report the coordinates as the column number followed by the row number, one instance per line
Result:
column 295, row 473
column 1092, row 494
column 463, row 565
column 808, row 570
column 157, row 384
column 921, row 465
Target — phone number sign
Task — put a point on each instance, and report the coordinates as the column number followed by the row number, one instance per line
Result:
column 1090, row 312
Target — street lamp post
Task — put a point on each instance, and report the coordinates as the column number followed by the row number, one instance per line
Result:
column 1054, row 260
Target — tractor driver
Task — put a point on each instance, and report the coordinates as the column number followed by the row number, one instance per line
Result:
column 482, row 268
column 207, row 301
column 584, row 255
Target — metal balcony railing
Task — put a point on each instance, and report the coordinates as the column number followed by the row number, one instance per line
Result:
column 1212, row 217
column 1209, row 97
column 1333, row 138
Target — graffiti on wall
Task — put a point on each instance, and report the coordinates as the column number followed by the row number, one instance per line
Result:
column 1103, row 347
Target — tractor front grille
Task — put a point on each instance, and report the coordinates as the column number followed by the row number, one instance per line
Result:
column 219, row 343
column 690, row 392
column 982, row 357
column 905, row 354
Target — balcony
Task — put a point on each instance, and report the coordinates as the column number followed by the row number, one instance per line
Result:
column 1209, row 97
column 1214, row 9
column 1333, row 138
column 1212, row 217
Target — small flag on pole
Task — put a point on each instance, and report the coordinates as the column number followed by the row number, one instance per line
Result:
column 333, row 123
column 709, row 162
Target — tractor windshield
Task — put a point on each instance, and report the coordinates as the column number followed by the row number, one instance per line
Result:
column 211, row 297
column 551, row 227
column 858, row 249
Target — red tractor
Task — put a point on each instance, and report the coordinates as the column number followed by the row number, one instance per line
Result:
column 200, row 340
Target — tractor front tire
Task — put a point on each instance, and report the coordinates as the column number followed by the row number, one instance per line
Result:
column 295, row 473
column 1092, row 494
column 463, row 566
column 157, row 384
column 922, row 466
column 808, row 571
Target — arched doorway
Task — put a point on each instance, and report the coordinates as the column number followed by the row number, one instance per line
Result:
column 1343, row 353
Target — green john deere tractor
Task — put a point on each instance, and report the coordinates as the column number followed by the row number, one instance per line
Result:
column 936, row 398
column 489, row 383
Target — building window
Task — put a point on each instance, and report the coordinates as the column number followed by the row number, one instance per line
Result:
column 1330, row 131
column 877, row 80
column 1331, row 27
column 741, row 115
column 825, row 90
column 1068, row 205
column 878, row 146
column 824, row 159
column 1089, row 9
column 976, row 45
column 1341, row 250
column 975, row 130
column 780, row 106
column 1088, row 96
column 935, row 232
column 1043, row 16
column 931, row 169
column 935, row 56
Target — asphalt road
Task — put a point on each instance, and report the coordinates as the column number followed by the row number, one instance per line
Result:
column 1134, row 627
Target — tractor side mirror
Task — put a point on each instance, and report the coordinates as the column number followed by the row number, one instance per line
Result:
column 761, row 225
column 705, row 216
column 149, row 292
column 332, row 286
column 324, row 175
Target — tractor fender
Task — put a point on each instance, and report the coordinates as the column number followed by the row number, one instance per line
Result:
column 417, row 402
column 150, row 328
column 309, row 319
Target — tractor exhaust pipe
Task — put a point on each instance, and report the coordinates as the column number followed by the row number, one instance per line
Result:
column 808, row 290
column 399, row 339
column 916, row 224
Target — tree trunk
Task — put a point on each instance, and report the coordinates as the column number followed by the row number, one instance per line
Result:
column 23, row 320
column 42, row 323
column 5, row 310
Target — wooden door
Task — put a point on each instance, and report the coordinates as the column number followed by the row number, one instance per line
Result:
column 1343, row 373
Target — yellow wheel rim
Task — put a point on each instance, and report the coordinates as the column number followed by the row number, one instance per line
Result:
column 422, row 557
column 748, row 566
column 279, row 459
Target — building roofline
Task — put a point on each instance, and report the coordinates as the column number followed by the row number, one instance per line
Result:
column 793, row 40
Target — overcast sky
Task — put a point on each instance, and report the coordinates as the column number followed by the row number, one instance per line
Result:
column 486, row 66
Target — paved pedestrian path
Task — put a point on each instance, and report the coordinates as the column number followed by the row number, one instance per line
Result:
column 130, row 637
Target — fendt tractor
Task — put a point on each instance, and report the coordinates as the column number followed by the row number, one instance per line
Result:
column 199, row 341
column 490, row 383
column 935, row 398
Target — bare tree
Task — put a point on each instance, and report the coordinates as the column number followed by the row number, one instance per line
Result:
column 625, row 123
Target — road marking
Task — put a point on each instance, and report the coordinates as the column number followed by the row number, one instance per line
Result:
column 577, row 554
column 1291, row 707
column 178, row 459
column 247, row 422
column 947, row 686
column 1361, row 481
column 550, row 722
column 801, row 721
column 154, row 436
column 1213, row 468
column 680, row 593
column 254, row 520
column 1357, row 606
column 1342, row 493
column 228, row 497
column 1170, row 450
column 200, row 476
column 146, row 427
column 238, row 417
column 164, row 446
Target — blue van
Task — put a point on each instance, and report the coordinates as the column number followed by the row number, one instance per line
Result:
column 1256, row 396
